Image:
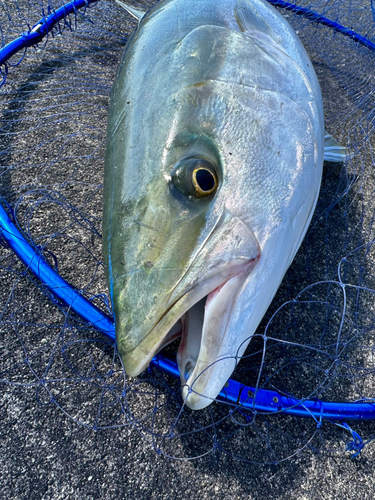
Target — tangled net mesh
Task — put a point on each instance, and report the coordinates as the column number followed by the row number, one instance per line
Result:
column 317, row 338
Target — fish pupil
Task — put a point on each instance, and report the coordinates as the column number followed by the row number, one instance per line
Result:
column 205, row 179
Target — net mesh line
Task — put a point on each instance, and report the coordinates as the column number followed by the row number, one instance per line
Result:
column 53, row 129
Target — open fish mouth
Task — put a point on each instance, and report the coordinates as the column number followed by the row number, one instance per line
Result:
column 200, row 318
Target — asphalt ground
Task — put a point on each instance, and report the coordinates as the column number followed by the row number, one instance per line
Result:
column 53, row 129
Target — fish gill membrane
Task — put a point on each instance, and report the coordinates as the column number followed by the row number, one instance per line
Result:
column 316, row 338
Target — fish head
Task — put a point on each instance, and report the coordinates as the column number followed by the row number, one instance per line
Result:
column 209, row 186
column 181, row 243
column 185, row 230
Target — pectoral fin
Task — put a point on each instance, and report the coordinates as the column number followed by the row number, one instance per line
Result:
column 333, row 151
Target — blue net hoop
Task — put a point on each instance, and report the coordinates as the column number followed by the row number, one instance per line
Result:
column 262, row 400
column 249, row 398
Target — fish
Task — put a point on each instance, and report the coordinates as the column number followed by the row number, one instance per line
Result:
column 213, row 166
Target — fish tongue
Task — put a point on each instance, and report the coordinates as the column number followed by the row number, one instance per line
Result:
column 190, row 344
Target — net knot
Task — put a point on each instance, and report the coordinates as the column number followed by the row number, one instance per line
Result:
column 356, row 446
column 217, row 447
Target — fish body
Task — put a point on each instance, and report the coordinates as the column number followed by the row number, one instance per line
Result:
column 213, row 167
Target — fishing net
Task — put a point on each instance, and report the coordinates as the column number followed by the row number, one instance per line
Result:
column 315, row 343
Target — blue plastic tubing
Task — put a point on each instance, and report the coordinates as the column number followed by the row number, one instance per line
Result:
column 41, row 29
column 248, row 398
column 45, row 25
column 317, row 18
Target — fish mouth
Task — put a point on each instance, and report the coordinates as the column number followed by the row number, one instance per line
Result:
column 193, row 320
column 201, row 309
column 199, row 317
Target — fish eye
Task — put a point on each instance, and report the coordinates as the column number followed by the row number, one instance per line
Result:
column 196, row 177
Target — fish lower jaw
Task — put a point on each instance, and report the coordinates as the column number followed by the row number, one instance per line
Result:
column 189, row 329
column 204, row 368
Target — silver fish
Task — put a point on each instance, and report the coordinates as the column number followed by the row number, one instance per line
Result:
column 213, row 167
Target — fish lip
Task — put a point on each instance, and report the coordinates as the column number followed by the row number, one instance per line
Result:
column 186, row 378
column 166, row 341
column 140, row 367
column 197, row 370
